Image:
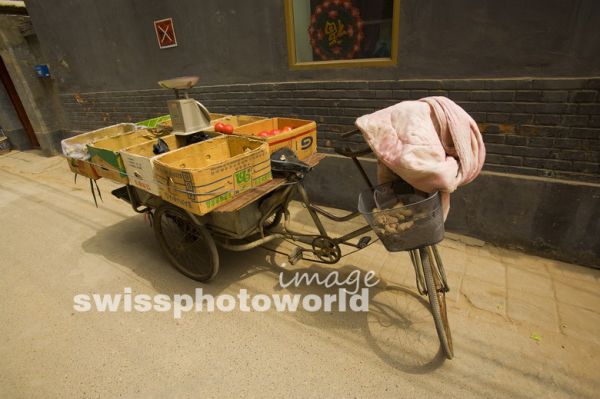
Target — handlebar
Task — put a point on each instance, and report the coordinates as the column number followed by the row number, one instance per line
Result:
column 352, row 150
column 350, row 133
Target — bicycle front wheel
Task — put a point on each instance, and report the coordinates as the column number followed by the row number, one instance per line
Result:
column 437, row 299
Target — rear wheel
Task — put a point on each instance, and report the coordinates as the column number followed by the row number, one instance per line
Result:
column 437, row 299
column 273, row 220
column 189, row 246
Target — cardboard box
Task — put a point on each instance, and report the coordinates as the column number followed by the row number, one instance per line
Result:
column 154, row 122
column 165, row 120
column 83, row 168
column 238, row 120
column 302, row 139
column 139, row 161
column 76, row 151
column 203, row 176
column 214, row 116
column 106, row 158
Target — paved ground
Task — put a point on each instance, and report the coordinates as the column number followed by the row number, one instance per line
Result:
column 523, row 326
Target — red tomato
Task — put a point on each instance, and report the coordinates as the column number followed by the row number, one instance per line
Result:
column 274, row 132
column 286, row 129
column 228, row 129
column 264, row 133
column 219, row 127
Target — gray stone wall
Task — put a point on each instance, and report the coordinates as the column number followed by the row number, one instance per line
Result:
column 538, row 127
column 111, row 45
column 20, row 51
column 10, row 123
column 549, row 217
column 528, row 73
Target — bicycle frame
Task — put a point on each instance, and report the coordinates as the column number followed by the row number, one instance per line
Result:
column 429, row 270
column 281, row 203
column 285, row 196
column 314, row 212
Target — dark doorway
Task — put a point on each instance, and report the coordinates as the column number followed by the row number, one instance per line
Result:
column 16, row 101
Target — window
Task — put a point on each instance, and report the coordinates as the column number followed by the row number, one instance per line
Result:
column 340, row 33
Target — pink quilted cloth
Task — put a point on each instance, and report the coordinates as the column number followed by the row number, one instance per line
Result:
column 433, row 144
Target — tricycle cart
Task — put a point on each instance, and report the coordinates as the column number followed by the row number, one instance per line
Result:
column 249, row 221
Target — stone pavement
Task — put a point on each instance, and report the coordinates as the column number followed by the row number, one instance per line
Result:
column 542, row 294
column 523, row 326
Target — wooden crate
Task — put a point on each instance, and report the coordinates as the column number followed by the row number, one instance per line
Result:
column 75, row 148
column 203, row 176
column 154, row 122
column 83, row 168
column 165, row 120
column 302, row 139
column 139, row 161
column 106, row 158
column 237, row 120
column 214, row 116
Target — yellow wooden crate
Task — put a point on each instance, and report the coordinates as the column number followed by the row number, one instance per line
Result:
column 75, row 148
column 83, row 168
column 139, row 161
column 237, row 120
column 302, row 139
column 167, row 122
column 106, row 158
column 203, row 176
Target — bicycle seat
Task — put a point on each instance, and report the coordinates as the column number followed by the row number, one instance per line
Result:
column 285, row 160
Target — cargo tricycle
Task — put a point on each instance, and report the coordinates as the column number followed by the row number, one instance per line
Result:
column 245, row 186
column 402, row 218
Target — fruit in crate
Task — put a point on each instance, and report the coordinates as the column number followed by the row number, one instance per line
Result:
column 223, row 128
column 274, row 132
column 227, row 129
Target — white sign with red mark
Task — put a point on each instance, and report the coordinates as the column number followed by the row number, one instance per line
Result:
column 165, row 33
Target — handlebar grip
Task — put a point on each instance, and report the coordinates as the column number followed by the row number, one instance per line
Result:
column 352, row 151
column 350, row 133
column 355, row 150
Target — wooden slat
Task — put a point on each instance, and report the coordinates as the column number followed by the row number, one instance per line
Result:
column 314, row 159
column 253, row 194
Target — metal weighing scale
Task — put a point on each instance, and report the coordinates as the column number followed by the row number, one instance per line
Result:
column 188, row 116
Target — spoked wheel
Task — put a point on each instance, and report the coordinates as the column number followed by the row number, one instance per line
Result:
column 190, row 247
column 273, row 220
column 437, row 299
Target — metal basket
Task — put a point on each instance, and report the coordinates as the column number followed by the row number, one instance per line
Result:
column 401, row 218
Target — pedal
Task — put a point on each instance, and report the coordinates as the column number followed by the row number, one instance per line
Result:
column 363, row 242
column 295, row 256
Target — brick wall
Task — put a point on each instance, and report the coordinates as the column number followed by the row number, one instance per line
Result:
column 539, row 127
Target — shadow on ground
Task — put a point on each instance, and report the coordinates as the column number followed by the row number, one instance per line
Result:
column 398, row 327
column 386, row 327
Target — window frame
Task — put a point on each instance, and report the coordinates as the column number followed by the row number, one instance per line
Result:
column 362, row 62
